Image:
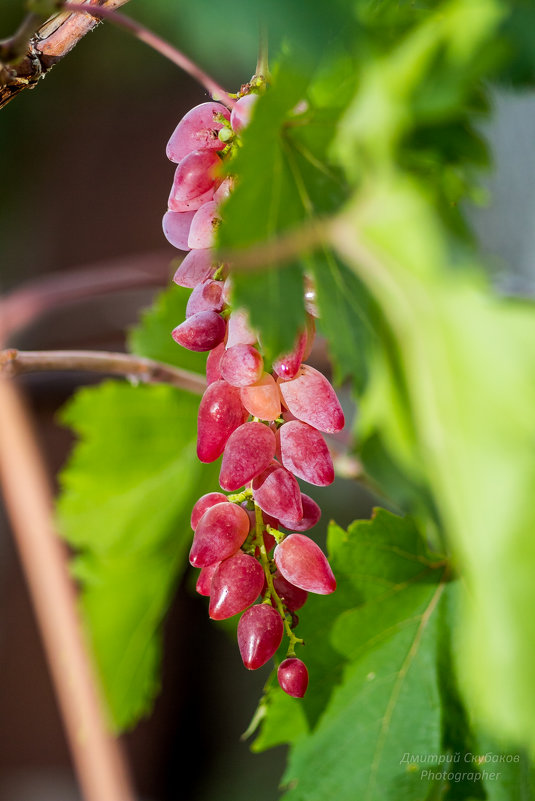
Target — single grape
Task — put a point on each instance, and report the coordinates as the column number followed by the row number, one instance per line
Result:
column 176, row 227
column 241, row 112
column 304, row 453
column 292, row 597
column 204, row 579
column 260, row 633
column 293, row 677
column 205, row 502
column 196, row 267
column 304, row 564
column 242, row 365
column 277, row 492
column 200, row 332
column 203, row 226
column 262, row 398
column 220, row 413
column 188, row 205
column 287, row 366
column 213, row 363
column 311, row 515
column 227, row 290
column 239, row 330
column 196, row 174
column 220, row 532
column 224, row 189
column 312, row 399
column 249, row 450
column 197, row 130
column 236, row 584
column 205, row 297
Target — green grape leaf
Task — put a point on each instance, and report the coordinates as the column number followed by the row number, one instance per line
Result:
column 126, row 497
column 372, row 656
column 345, row 317
column 151, row 337
column 283, row 179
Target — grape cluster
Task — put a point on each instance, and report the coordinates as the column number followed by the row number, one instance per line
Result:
column 267, row 425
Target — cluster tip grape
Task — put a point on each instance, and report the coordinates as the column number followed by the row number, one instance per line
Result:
column 267, row 425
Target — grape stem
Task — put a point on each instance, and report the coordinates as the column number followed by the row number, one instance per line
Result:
column 271, row 594
column 239, row 497
column 262, row 64
column 157, row 43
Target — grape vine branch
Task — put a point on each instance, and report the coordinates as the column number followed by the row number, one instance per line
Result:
column 15, row 362
column 32, row 51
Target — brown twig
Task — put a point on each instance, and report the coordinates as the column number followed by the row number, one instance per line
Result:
column 97, row 757
column 48, row 45
column 16, row 362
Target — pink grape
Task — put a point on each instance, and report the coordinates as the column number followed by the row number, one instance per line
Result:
column 287, row 366
column 249, row 450
column 277, row 492
column 241, row 365
column 204, row 503
column 197, row 130
column 188, row 205
column 293, row 677
column 176, row 227
column 213, row 363
column 196, row 174
column 236, row 584
column 292, row 597
column 304, row 453
column 204, row 579
column 239, row 330
column 200, row 332
column 220, row 413
column 304, row 564
column 203, row 226
column 260, row 633
column 227, row 290
column 262, row 398
column 205, row 297
column 196, row 267
column 312, row 399
column 224, row 189
column 241, row 112
column 311, row 515
column 220, row 532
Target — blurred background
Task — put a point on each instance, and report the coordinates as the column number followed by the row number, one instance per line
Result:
column 83, row 186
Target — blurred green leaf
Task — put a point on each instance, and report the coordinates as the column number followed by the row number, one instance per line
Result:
column 127, row 494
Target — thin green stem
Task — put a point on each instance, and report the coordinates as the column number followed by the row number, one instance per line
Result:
column 271, row 594
column 157, row 43
column 262, row 64
column 239, row 497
